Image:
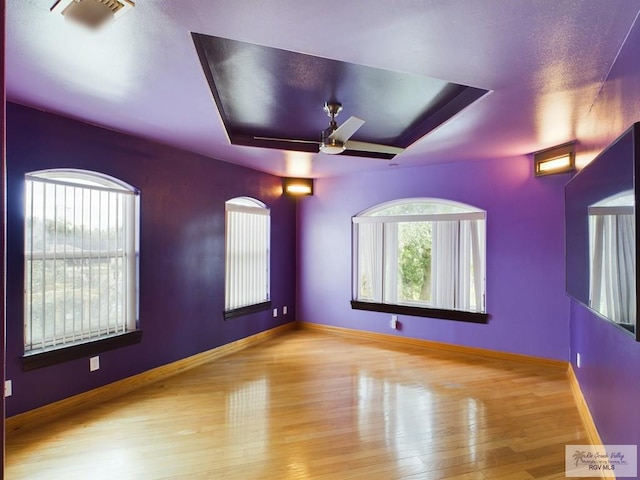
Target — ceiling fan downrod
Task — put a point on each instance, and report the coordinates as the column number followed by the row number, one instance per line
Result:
column 332, row 110
column 328, row 144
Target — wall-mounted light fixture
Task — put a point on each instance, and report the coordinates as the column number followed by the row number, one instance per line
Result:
column 560, row 159
column 297, row 187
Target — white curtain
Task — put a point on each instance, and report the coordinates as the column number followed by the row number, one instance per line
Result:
column 463, row 284
column 445, row 248
column 596, row 233
column 369, row 286
column 457, row 270
column 391, row 248
column 613, row 263
column 470, row 268
column 627, row 268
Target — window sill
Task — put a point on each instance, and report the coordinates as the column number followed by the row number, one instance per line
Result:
column 456, row 315
column 45, row 358
column 238, row 312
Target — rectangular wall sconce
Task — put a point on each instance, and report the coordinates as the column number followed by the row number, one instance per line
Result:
column 560, row 159
column 297, row 187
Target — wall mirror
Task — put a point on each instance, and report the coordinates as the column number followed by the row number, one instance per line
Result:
column 601, row 233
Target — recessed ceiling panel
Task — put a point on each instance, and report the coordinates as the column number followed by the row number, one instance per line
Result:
column 268, row 93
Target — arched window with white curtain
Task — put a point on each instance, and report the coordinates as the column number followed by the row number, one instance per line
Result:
column 420, row 252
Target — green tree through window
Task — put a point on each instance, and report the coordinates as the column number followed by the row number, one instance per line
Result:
column 414, row 245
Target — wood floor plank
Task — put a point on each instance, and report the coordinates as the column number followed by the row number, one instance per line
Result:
column 307, row 405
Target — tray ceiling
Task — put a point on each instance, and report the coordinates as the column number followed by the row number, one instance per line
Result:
column 263, row 92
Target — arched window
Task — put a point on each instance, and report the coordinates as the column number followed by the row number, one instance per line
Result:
column 420, row 252
column 247, row 256
column 81, row 243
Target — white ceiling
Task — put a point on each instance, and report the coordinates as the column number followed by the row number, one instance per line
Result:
column 544, row 61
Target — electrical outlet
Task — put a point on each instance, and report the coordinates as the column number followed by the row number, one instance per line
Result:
column 394, row 322
column 284, row 310
column 94, row 363
column 8, row 388
column 275, row 312
column 578, row 360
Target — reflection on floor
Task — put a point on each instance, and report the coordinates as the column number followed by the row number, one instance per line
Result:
column 311, row 405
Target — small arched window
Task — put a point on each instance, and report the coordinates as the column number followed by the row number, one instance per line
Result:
column 247, row 241
column 81, row 244
column 420, row 252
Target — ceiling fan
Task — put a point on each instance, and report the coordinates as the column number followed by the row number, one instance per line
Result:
column 336, row 139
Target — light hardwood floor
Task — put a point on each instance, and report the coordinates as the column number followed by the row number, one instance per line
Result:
column 312, row 405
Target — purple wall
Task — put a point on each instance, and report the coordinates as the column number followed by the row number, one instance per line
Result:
column 3, row 223
column 182, row 249
column 610, row 359
column 525, row 248
column 609, row 375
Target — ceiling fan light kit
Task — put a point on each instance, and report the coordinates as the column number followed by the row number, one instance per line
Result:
column 332, row 147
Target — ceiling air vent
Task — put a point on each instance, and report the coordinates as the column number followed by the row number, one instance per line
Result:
column 92, row 13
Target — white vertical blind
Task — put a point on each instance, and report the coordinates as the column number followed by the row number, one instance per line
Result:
column 80, row 258
column 247, row 253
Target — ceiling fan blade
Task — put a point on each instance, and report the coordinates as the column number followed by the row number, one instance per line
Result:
column 347, row 129
column 290, row 140
column 372, row 147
